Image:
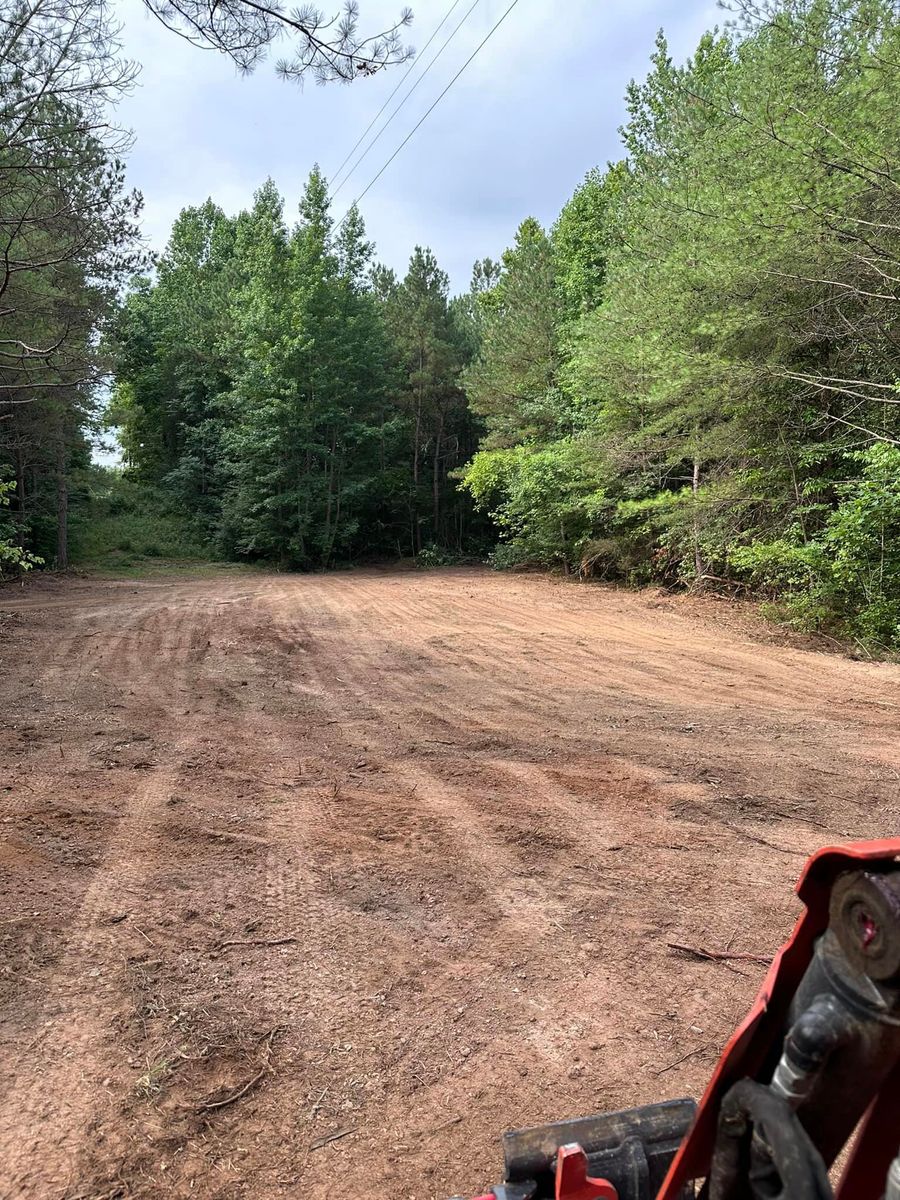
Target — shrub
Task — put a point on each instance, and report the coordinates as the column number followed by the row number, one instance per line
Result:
column 120, row 521
column 13, row 559
column 433, row 555
column 781, row 567
column 862, row 544
column 545, row 500
column 848, row 576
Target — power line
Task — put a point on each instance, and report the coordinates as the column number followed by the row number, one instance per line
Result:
column 404, row 100
column 422, row 119
column 409, row 69
column 387, row 123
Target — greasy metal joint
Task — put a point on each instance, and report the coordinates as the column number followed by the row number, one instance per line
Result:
column 865, row 916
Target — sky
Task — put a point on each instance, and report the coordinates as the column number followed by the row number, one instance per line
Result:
column 537, row 108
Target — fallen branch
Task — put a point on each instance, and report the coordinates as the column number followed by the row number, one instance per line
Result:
column 443, row 1125
column 92, row 1195
column 778, row 812
column 684, row 1058
column 281, row 941
column 332, row 1137
column 250, row 1084
column 316, row 1106
column 233, row 836
column 761, row 841
column 717, row 955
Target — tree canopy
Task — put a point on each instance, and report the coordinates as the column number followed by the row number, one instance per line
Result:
column 302, row 403
column 725, row 404
column 320, row 45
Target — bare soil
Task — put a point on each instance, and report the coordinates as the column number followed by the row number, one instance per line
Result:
column 391, row 859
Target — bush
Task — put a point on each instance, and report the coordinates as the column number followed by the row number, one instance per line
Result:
column 862, row 544
column 781, row 567
column 509, row 555
column 120, row 522
column 545, row 500
column 848, row 576
column 434, row 555
column 13, row 559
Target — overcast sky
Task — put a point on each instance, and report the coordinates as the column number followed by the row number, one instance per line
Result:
column 537, row 108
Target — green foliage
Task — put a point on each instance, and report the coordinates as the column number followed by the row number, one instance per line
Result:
column 302, row 404
column 582, row 239
column 123, row 523
column 544, row 500
column 433, row 555
column 861, row 545
column 68, row 245
column 431, row 342
column 13, row 558
column 848, row 576
column 512, row 382
column 782, row 567
column 711, row 328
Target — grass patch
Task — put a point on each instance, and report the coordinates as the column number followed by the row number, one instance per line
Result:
column 129, row 528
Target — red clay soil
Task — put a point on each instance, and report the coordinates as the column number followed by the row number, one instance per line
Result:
column 391, row 859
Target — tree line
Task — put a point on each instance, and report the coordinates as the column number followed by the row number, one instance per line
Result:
column 67, row 238
column 302, row 402
column 69, row 234
column 691, row 378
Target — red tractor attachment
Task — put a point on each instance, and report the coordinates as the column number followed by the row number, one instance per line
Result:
column 814, row 1067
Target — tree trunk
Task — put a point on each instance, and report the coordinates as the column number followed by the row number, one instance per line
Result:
column 695, row 488
column 416, row 435
column 417, row 525
column 20, row 497
column 329, row 479
column 332, row 472
column 62, row 506
column 20, row 480
column 337, row 509
column 436, row 481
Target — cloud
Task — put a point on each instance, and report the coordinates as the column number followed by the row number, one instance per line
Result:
column 538, row 107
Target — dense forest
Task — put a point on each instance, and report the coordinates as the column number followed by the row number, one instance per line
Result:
column 303, row 403
column 691, row 378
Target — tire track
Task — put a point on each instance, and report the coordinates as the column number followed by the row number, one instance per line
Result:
column 480, row 804
column 44, row 1119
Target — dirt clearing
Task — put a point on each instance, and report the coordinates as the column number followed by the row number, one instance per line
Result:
column 312, row 886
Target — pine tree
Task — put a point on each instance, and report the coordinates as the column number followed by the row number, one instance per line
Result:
column 430, row 354
column 513, row 381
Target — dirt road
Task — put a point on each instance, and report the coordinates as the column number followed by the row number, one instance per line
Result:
column 391, row 859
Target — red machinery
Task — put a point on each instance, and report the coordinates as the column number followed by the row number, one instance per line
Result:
column 814, row 1066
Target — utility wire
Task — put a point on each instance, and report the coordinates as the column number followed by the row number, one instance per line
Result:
column 428, row 113
column 415, row 62
column 387, row 123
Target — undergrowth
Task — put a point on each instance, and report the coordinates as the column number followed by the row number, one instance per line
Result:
column 122, row 525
